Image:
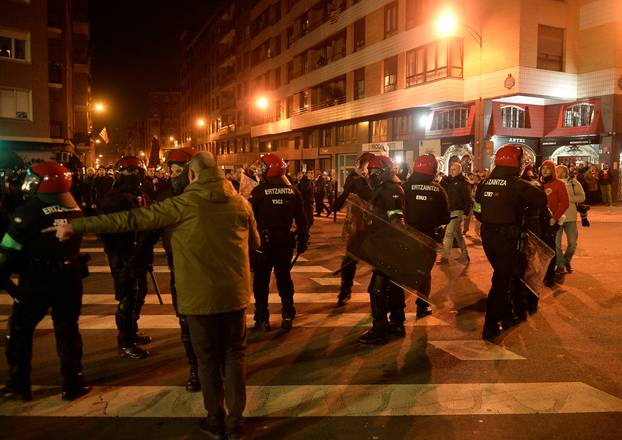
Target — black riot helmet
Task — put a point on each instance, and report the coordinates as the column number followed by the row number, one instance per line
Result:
column 130, row 172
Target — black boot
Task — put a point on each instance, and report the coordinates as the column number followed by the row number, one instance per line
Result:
column 133, row 352
column 343, row 298
column 491, row 331
column 397, row 329
column 193, row 385
column 374, row 336
column 16, row 393
column 141, row 339
column 262, row 325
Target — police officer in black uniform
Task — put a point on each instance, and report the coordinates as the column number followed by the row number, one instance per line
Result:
column 500, row 204
column 276, row 205
column 130, row 256
column 178, row 161
column 387, row 200
column 356, row 183
column 427, row 208
column 50, row 276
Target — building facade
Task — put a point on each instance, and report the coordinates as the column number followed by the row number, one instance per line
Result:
column 45, row 79
column 338, row 77
column 162, row 126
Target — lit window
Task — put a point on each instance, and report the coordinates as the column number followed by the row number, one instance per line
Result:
column 390, row 19
column 512, row 117
column 359, row 83
column 434, row 61
column 450, row 119
column 578, row 115
column 15, row 104
column 390, row 74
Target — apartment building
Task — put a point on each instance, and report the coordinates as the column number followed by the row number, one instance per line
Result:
column 161, row 126
column 320, row 81
column 45, row 79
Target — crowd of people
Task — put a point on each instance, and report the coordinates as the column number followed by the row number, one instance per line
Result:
column 224, row 235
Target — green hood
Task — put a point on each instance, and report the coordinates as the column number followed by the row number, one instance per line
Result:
column 213, row 186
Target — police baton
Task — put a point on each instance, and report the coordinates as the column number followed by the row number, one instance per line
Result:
column 338, row 271
column 157, row 289
column 294, row 260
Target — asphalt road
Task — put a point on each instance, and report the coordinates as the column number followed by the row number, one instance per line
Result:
column 556, row 376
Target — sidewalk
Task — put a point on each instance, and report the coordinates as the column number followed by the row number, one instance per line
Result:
column 605, row 214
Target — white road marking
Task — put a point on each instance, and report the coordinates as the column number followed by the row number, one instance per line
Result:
column 100, row 250
column 331, row 281
column 476, row 350
column 170, row 321
column 310, row 269
column 299, row 298
column 330, row 401
column 164, row 269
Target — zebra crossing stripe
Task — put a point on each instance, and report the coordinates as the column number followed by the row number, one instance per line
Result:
column 330, row 401
column 107, row 322
column 299, row 298
column 157, row 250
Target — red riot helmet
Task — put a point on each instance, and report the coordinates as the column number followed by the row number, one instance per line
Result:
column 363, row 159
column 271, row 165
column 180, row 155
column 510, row 155
column 47, row 178
column 426, row 164
column 381, row 168
column 129, row 163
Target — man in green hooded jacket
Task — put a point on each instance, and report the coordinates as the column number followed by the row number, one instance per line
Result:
column 212, row 231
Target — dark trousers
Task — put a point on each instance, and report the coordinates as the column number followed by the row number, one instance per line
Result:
column 37, row 292
column 348, row 272
column 386, row 297
column 220, row 344
column 278, row 255
column 320, row 206
column 130, row 289
column 501, row 248
column 183, row 324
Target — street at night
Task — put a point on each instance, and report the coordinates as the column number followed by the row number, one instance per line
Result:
column 555, row 376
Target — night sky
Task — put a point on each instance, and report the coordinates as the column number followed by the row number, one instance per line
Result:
column 135, row 50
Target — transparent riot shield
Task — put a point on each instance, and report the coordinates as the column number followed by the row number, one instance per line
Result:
column 402, row 253
column 536, row 256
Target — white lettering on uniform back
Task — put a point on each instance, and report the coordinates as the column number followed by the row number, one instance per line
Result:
column 278, row 191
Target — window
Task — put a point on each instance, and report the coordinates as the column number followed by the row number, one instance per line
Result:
column 550, row 48
column 417, row 12
column 390, row 19
column 15, row 104
column 390, row 74
column 434, row 61
column 340, row 134
column 450, row 119
column 513, row 117
column 578, row 115
column 14, row 45
column 379, row 130
column 359, row 83
column 359, row 34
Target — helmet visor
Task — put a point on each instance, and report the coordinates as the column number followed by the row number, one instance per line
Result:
column 31, row 183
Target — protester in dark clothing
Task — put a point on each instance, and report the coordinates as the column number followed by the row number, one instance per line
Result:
column 604, row 181
column 101, row 185
column 459, row 193
column 320, row 193
column 305, row 186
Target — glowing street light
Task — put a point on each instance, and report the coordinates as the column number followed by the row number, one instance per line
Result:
column 101, row 155
column 171, row 138
column 262, row 103
column 100, row 107
column 446, row 23
column 97, row 141
column 201, row 122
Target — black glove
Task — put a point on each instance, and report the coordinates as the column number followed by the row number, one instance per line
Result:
column 303, row 244
column 585, row 222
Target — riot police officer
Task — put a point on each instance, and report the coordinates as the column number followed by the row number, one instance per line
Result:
column 500, row 204
column 387, row 200
column 276, row 205
column 427, row 208
column 50, row 276
column 356, row 183
column 130, row 254
column 178, row 161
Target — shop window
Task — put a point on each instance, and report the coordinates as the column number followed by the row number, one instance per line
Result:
column 434, row 61
column 450, row 119
column 512, row 117
column 578, row 115
column 359, row 83
column 550, row 48
column 14, row 45
column 359, row 34
column 15, row 104
column 390, row 74
column 390, row 19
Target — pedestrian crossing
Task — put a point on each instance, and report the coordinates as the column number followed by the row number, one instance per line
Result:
column 420, row 375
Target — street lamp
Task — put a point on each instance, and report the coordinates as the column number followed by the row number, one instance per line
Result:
column 201, row 122
column 262, row 103
column 99, row 107
column 447, row 23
